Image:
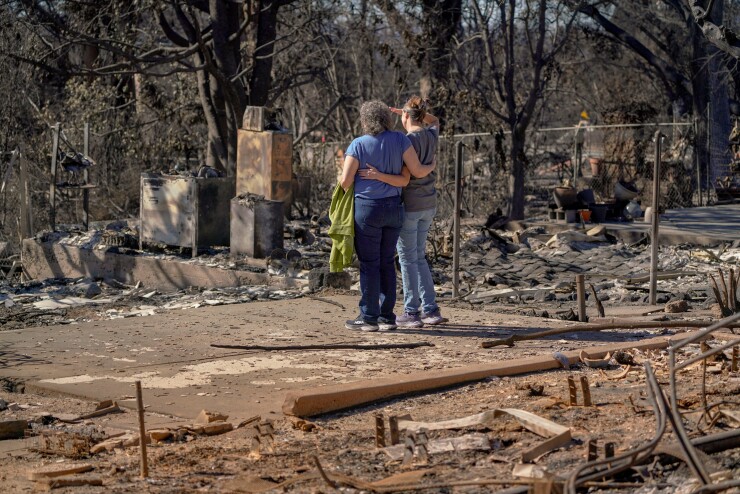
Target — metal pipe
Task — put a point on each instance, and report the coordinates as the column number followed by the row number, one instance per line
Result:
column 654, row 240
column 701, row 335
column 142, row 431
column 577, row 163
column 581, row 293
column 697, row 163
column 693, row 460
column 624, row 461
column 456, row 229
column 707, row 354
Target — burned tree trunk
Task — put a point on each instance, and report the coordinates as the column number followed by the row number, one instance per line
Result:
column 517, row 175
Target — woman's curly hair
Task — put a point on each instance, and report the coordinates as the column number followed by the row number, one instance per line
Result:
column 375, row 117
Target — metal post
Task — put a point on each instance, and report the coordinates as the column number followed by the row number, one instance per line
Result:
column 654, row 239
column 86, row 180
column 581, row 293
column 142, row 431
column 456, row 230
column 577, row 154
column 26, row 218
column 577, row 164
column 697, row 163
column 53, row 185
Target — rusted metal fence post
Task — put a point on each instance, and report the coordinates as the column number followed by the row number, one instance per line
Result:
column 654, row 239
column 456, row 229
column 142, row 431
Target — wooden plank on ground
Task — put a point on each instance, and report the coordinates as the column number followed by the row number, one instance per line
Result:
column 324, row 399
column 58, row 471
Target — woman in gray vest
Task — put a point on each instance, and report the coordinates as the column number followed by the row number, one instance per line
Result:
column 420, row 203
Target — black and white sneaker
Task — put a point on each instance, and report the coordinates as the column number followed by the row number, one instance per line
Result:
column 361, row 325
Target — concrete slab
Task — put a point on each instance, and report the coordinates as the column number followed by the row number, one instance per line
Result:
column 42, row 260
column 182, row 374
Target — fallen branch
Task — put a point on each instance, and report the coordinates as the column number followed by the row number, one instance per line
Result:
column 69, row 482
column 337, row 346
column 325, row 300
column 599, row 327
column 599, row 305
column 114, row 408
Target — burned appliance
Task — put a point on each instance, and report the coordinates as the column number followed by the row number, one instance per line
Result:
column 185, row 211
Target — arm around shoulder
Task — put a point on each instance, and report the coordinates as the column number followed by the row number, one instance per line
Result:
column 411, row 160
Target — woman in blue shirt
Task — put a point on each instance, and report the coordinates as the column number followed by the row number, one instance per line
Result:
column 379, row 211
column 420, row 203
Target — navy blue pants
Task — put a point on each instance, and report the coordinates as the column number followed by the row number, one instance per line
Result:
column 377, row 227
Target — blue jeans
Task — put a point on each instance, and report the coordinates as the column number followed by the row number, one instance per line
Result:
column 418, row 286
column 377, row 225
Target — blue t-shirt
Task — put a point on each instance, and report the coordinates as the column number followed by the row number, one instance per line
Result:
column 383, row 151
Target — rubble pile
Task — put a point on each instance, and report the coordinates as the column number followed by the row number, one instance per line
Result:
column 500, row 270
column 71, row 301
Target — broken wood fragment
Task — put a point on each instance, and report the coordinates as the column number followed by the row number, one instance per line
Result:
column 661, row 276
column 557, row 435
column 546, row 446
column 572, row 392
column 393, row 426
column 205, row 417
column 379, row 431
column 474, row 441
column 99, row 412
column 593, row 450
column 58, row 471
column 325, row 300
column 69, row 482
column 159, row 435
column 586, row 390
column 69, row 444
column 599, row 305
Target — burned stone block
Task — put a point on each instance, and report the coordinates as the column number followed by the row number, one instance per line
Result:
column 316, row 278
column 321, row 277
column 340, row 281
